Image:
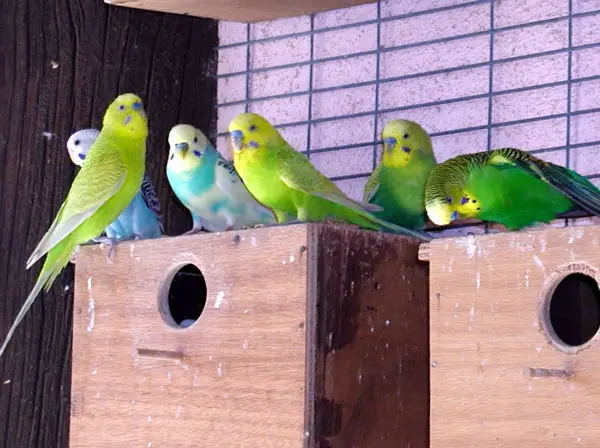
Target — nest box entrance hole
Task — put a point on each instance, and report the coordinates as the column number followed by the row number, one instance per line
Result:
column 183, row 298
column 573, row 311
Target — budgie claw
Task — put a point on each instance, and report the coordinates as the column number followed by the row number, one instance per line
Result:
column 110, row 242
column 194, row 231
column 258, row 226
column 73, row 258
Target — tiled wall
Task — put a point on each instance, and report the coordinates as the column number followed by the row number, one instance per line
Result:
column 330, row 82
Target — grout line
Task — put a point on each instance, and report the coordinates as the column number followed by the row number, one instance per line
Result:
column 490, row 88
column 425, row 74
column 356, row 24
column 453, row 131
column 406, row 16
column 403, row 47
column 310, row 85
column 247, row 104
column 569, row 88
column 377, row 84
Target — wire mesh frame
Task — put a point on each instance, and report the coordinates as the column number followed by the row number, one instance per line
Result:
column 377, row 111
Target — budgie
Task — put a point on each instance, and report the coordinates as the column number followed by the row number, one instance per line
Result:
column 105, row 185
column 398, row 182
column 285, row 180
column 141, row 218
column 209, row 186
column 508, row 186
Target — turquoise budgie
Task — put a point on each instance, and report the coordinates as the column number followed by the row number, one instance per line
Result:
column 209, row 186
column 105, row 185
column 141, row 218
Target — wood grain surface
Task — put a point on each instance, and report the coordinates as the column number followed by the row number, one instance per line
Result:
column 63, row 61
column 487, row 338
column 240, row 381
column 240, row 10
column 313, row 335
column 371, row 376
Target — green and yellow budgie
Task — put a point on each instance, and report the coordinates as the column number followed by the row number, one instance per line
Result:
column 508, row 186
column 105, row 185
column 285, row 181
column 398, row 182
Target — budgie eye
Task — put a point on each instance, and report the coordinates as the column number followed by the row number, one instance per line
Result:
column 195, row 139
column 77, row 142
column 448, row 199
column 252, row 128
column 405, row 136
column 121, row 107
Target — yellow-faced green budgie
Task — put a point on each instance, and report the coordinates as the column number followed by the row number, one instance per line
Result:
column 141, row 218
column 285, row 180
column 398, row 182
column 209, row 186
column 105, row 185
column 508, row 186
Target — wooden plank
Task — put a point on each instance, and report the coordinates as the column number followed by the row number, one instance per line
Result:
column 238, row 377
column 240, row 10
column 371, row 372
column 487, row 336
column 59, row 72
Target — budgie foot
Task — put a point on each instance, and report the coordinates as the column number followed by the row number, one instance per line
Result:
column 194, row 231
column 110, row 242
column 73, row 258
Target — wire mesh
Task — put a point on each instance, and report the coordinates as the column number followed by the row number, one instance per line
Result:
column 548, row 34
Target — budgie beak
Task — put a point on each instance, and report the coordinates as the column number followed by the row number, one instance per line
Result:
column 182, row 148
column 454, row 215
column 389, row 143
column 236, row 139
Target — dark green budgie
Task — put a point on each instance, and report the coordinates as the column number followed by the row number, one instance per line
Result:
column 508, row 186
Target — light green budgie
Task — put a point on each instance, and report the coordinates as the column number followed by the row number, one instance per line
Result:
column 285, row 181
column 398, row 182
column 105, row 185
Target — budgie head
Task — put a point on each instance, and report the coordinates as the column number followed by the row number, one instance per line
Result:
column 79, row 143
column 443, row 193
column 250, row 131
column 126, row 116
column 402, row 139
column 186, row 147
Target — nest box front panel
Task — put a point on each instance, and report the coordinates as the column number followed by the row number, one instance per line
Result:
column 514, row 353
column 142, row 376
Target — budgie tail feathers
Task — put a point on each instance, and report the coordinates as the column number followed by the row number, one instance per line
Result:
column 54, row 264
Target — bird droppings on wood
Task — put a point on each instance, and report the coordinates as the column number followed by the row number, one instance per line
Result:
column 219, row 300
column 91, row 307
column 539, row 263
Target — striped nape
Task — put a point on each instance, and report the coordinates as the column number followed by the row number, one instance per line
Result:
column 149, row 195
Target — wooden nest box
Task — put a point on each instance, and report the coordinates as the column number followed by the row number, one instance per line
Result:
column 514, row 319
column 309, row 335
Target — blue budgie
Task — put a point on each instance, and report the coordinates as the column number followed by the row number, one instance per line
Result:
column 141, row 218
column 208, row 185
